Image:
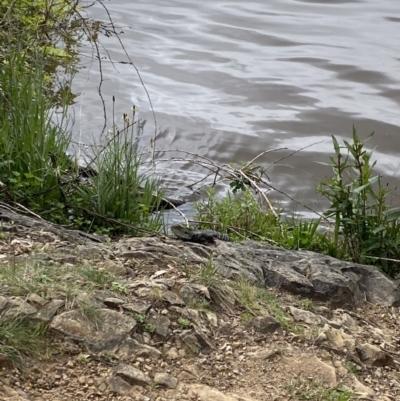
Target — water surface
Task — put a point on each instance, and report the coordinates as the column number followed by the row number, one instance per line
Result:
column 229, row 79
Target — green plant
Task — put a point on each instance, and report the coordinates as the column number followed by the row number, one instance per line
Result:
column 144, row 323
column 97, row 276
column 276, row 310
column 243, row 213
column 117, row 191
column 366, row 229
column 248, row 295
column 20, row 338
column 33, row 150
column 244, row 217
column 184, row 323
column 89, row 312
column 221, row 293
column 307, row 390
column 351, row 367
column 307, row 304
column 200, row 304
column 118, row 288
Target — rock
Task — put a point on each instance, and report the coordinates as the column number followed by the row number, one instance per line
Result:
column 336, row 339
column 197, row 341
column 9, row 394
column 232, row 263
column 113, row 302
column 131, row 346
column 349, row 323
column 360, row 389
column 374, row 356
column 15, row 307
column 49, row 310
column 307, row 317
column 131, row 375
column 166, row 380
column 264, row 354
column 206, row 393
column 265, row 324
column 138, row 307
column 106, row 331
column 172, row 354
column 172, row 298
column 343, row 284
column 161, row 324
column 308, row 365
column 36, row 301
column 192, row 293
column 323, row 311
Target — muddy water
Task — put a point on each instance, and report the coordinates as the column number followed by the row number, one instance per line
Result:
column 229, row 79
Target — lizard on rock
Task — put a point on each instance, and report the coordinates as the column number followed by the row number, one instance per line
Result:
column 199, row 236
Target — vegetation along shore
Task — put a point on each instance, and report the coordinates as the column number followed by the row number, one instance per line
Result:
column 98, row 301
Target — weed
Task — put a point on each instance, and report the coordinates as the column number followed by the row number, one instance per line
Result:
column 89, row 312
column 184, row 323
column 221, row 292
column 100, row 277
column 366, row 228
column 276, row 311
column 246, row 316
column 84, row 359
column 20, row 338
column 199, row 304
column 144, row 323
column 247, row 295
column 351, row 367
column 307, row 390
column 307, row 304
column 118, row 288
column 241, row 212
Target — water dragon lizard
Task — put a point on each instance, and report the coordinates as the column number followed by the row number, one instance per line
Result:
column 199, row 236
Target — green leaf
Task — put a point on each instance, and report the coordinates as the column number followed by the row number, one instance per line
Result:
column 393, row 214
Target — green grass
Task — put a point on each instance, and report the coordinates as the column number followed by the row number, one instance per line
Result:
column 308, row 390
column 363, row 227
column 20, row 338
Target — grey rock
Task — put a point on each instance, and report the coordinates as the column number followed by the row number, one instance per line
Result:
column 265, row 324
column 323, row 311
column 307, row 317
column 166, row 380
column 172, row 298
column 49, row 310
column 102, row 332
column 131, row 346
column 137, row 307
column 343, row 284
column 37, row 301
column 131, row 375
column 13, row 307
column 197, row 341
column 191, row 293
column 374, row 356
column 161, row 323
column 113, row 302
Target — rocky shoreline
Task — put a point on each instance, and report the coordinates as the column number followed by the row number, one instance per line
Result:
column 158, row 319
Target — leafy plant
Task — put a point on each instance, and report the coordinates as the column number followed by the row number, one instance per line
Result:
column 184, row 323
column 366, row 229
column 144, row 323
column 241, row 215
column 118, row 288
column 305, row 390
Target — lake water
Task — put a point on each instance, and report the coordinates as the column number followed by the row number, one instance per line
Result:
column 229, row 79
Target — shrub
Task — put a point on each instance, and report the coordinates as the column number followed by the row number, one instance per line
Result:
column 367, row 229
